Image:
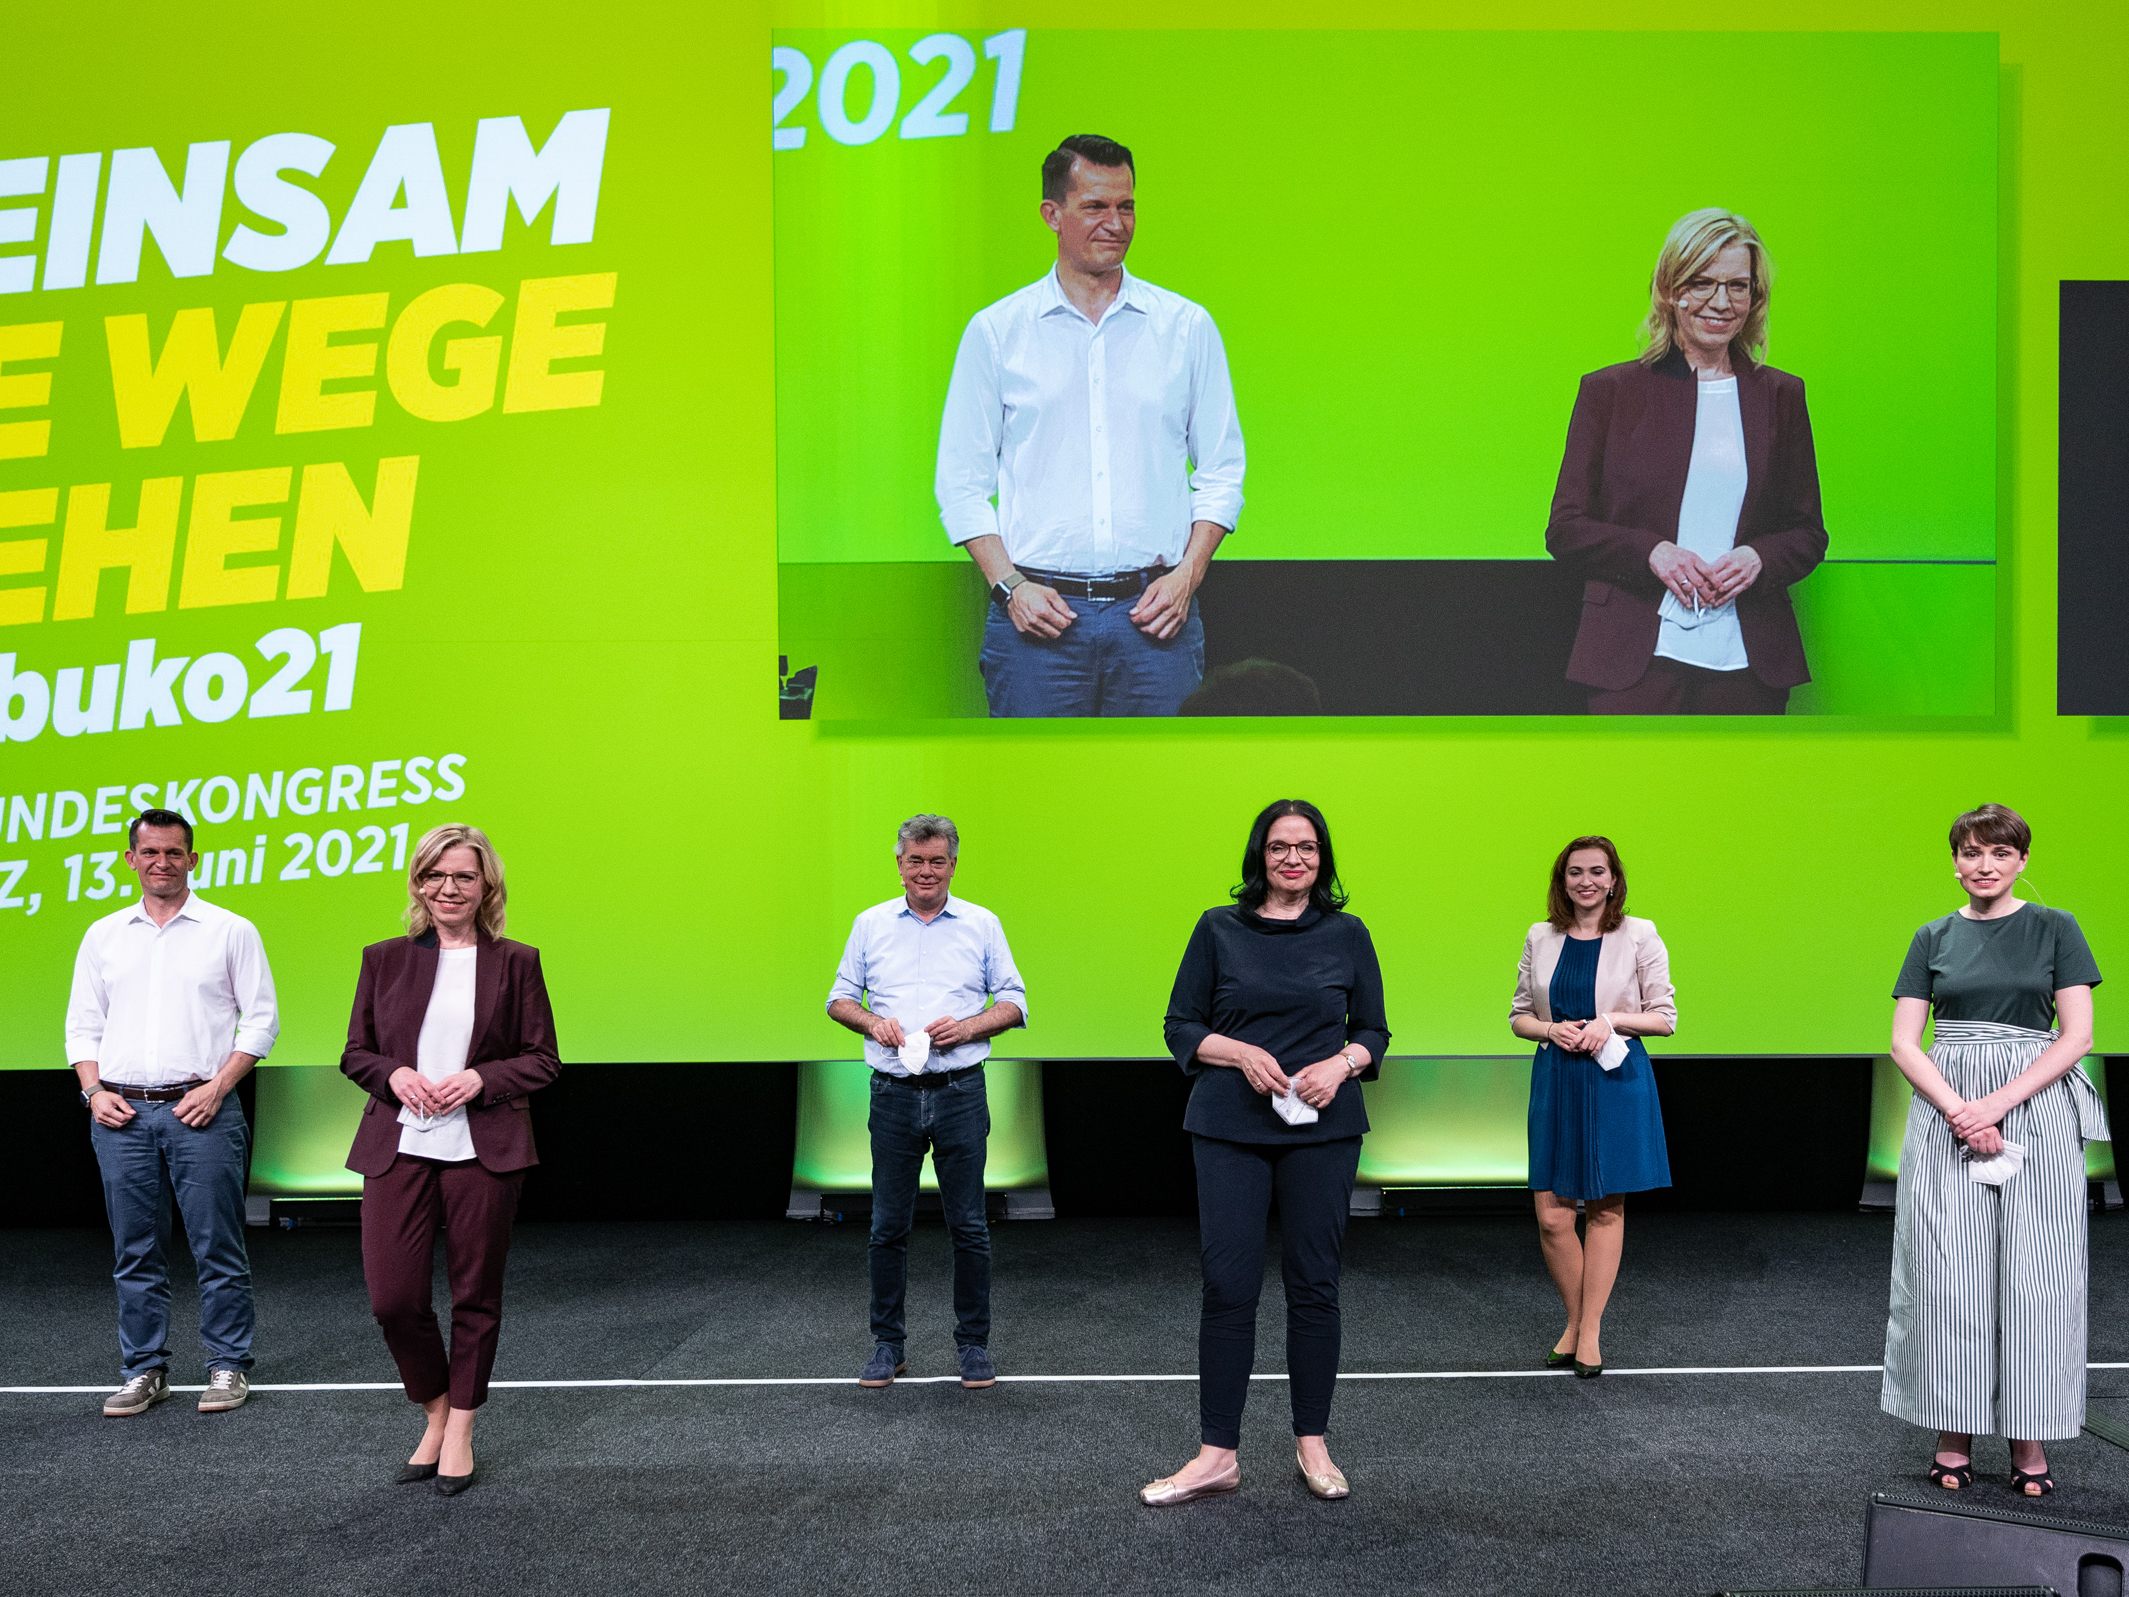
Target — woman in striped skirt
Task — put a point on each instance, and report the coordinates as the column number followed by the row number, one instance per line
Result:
column 1987, row 1330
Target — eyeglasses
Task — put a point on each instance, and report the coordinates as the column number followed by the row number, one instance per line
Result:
column 1702, row 289
column 464, row 881
column 1301, row 851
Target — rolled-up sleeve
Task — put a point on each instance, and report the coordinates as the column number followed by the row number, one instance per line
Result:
column 88, row 1005
column 1189, row 1020
column 1215, row 431
column 1001, row 977
column 850, row 969
column 1366, row 1021
column 1652, row 972
column 251, row 982
column 971, row 435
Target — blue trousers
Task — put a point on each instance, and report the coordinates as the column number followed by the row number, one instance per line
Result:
column 151, row 1159
column 950, row 1115
column 1100, row 665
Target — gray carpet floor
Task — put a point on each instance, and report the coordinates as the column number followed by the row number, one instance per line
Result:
column 1633, row 1484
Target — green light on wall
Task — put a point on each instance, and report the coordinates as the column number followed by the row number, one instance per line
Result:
column 306, row 1123
column 834, row 1149
column 1448, row 1123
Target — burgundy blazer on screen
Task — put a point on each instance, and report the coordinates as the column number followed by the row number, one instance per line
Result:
column 513, row 1046
column 1622, row 478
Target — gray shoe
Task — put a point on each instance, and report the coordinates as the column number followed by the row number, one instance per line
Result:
column 226, row 1389
column 138, row 1395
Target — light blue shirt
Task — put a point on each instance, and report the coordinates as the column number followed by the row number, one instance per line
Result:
column 915, row 971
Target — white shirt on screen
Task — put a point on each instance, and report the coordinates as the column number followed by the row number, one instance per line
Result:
column 157, row 1005
column 440, row 1051
column 1707, row 525
column 1101, row 441
column 914, row 971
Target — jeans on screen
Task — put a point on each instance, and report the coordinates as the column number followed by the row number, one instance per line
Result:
column 145, row 1163
column 1099, row 665
column 951, row 1117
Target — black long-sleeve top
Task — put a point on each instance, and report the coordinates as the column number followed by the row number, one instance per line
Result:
column 1300, row 990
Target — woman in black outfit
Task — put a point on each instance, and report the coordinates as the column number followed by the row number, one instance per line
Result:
column 1278, row 1002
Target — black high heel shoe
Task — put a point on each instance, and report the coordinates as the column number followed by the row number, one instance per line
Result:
column 1556, row 1360
column 1588, row 1372
column 452, row 1485
column 414, row 1474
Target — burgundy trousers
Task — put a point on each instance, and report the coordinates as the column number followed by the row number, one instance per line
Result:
column 401, row 1210
column 1670, row 687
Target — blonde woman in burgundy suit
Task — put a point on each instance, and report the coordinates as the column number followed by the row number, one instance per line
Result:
column 1688, row 498
column 450, row 1034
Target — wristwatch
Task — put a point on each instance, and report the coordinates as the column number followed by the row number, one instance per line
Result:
column 89, row 1092
column 1353, row 1067
column 1002, row 589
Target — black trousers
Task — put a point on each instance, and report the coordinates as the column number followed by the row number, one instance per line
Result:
column 1671, row 687
column 1237, row 1181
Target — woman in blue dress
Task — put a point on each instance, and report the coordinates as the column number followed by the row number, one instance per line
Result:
column 1593, row 979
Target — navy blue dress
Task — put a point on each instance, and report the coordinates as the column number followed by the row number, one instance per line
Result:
column 1593, row 1132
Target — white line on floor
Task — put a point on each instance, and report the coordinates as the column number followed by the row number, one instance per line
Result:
column 1033, row 1380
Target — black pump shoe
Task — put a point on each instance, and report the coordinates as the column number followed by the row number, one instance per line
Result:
column 452, row 1485
column 1587, row 1372
column 1557, row 1360
column 414, row 1474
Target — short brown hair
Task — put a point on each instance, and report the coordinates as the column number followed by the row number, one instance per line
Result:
column 1560, row 909
column 1992, row 823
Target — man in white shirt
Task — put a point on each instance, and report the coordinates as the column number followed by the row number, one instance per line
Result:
column 172, row 1005
column 927, row 980
column 1097, row 410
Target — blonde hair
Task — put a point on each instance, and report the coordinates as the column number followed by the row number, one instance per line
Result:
column 434, row 845
column 1696, row 238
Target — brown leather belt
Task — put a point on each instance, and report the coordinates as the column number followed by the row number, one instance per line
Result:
column 169, row 1094
column 1109, row 585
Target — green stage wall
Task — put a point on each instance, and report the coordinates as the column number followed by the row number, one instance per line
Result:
column 472, row 517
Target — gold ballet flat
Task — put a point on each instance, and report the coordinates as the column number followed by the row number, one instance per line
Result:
column 1330, row 1486
column 1164, row 1493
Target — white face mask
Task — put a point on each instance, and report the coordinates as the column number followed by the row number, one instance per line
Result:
column 915, row 1049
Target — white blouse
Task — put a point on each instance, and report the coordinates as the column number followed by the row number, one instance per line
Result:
column 1707, row 525
column 446, row 1038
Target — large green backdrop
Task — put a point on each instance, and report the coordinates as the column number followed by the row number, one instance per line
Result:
column 561, row 547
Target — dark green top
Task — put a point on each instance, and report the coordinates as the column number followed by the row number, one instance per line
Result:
column 2006, row 970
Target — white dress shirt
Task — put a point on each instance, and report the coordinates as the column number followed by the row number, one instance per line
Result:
column 915, row 971
column 440, row 1051
column 1102, row 441
column 156, row 1005
column 1710, row 638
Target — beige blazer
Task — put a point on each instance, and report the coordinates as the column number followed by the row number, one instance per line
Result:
column 1633, row 973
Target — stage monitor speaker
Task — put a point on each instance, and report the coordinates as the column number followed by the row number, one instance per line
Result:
column 1911, row 1541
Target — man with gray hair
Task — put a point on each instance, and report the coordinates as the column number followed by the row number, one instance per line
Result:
column 927, row 980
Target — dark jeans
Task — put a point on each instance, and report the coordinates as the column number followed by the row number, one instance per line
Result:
column 950, row 1115
column 151, row 1159
column 401, row 1210
column 1236, row 1183
column 1671, row 687
column 1099, row 665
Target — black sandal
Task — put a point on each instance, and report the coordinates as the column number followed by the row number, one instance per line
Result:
column 1952, row 1477
column 2021, row 1479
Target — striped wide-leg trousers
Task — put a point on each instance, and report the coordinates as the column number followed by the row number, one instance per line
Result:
column 1987, row 1329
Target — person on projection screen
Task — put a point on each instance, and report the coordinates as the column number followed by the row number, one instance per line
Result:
column 451, row 1033
column 1688, row 497
column 1097, row 411
column 1990, row 1267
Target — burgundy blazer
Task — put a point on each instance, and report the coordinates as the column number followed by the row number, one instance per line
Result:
column 513, row 1046
column 1629, row 446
